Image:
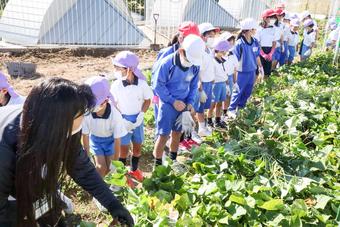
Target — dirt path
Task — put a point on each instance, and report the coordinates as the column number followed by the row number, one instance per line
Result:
column 69, row 64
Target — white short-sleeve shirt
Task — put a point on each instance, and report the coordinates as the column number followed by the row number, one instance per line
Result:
column 278, row 33
column 207, row 68
column 231, row 64
column 293, row 38
column 220, row 71
column 309, row 38
column 130, row 98
column 16, row 101
column 286, row 31
column 110, row 124
column 266, row 36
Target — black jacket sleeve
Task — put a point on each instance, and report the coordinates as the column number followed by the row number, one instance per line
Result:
column 9, row 128
column 85, row 174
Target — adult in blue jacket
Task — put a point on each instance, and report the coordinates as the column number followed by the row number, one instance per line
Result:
column 176, row 85
column 39, row 144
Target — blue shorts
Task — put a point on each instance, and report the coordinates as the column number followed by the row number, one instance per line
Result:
column 220, row 92
column 207, row 88
column 304, row 49
column 102, row 146
column 231, row 83
column 291, row 53
column 166, row 119
column 137, row 135
column 277, row 54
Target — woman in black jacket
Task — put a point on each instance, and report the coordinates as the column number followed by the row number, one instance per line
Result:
column 39, row 144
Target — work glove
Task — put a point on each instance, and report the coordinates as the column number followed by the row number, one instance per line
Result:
column 203, row 96
column 128, row 125
column 261, row 74
column 140, row 119
column 236, row 88
column 188, row 124
column 122, row 215
column 264, row 55
column 228, row 90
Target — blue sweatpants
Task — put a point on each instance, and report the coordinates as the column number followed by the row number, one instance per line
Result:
column 231, row 82
column 245, row 81
column 284, row 54
column 291, row 53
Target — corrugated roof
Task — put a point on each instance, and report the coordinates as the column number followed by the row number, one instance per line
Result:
column 82, row 22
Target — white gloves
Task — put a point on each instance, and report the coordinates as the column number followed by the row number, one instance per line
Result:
column 307, row 53
column 188, row 124
column 129, row 125
column 236, row 88
column 140, row 119
column 228, row 90
column 69, row 204
column 203, row 96
column 261, row 73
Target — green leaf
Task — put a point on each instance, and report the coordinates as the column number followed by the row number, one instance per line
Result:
column 87, row 224
column 295, row 221
column 276, row 220
column 273, row 204
column 118, row 164
column 299, row 208
column 240, row 211
column 321, row 201
column 224, row 220
column 163, row 196
column 120, row 182
column 224, row 166
column 239, row 199
column 183, row 201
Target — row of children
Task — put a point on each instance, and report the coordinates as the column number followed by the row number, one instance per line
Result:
column 202, row 77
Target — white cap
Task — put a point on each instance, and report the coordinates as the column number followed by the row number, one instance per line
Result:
column 225, row 36
column 304, row 14
column 248, row 24
column 206, row 27
column 194, row 49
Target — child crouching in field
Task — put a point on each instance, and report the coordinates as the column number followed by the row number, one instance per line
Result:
column 133, row 97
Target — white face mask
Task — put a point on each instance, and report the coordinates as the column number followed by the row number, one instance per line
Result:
column 185, row 63
column 272, row 22
column 210, row 42
column 118, row 75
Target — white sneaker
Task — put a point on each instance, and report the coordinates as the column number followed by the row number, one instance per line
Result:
column 232, row 114
column 69, row 204
column 196, row 137
column 100, row 206
column 203, row 132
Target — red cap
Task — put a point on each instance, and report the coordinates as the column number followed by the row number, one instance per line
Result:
column 268, row 13
column 189, row 28
column 279, row 12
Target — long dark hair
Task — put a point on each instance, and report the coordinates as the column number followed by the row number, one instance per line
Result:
column 46, row 151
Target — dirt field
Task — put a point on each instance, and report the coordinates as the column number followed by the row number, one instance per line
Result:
column 75, row 65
